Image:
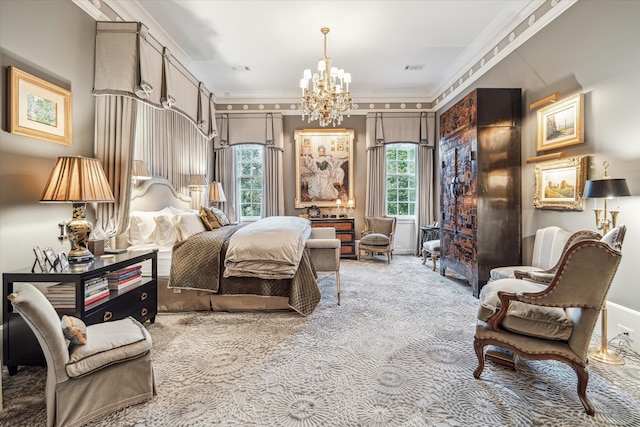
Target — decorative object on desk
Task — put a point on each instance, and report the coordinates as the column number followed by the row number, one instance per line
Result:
column 561, row 124
column 52, row 258
column 338, row 204
column 324, row 166
column 606, row 188
column 78, row 180
column 96, row 246
column 560, row 183
column 313, row 211
column 39, row 109
column 140, row 172
column 216, row 193
column 40, row 260
column 64, row 261
column 350, row 204
column 329, row 97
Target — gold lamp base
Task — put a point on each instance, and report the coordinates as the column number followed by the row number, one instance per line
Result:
column 606, row 356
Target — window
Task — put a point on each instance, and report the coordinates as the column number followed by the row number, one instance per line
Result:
column 249, row 176
column 401, row 179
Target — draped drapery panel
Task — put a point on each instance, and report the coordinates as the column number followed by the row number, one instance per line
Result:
column 130, row 62
column 386, row 128
column 252, row 128
column 171, row 147
column 115, row 129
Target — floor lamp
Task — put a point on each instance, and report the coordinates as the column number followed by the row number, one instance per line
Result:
column 605, row 188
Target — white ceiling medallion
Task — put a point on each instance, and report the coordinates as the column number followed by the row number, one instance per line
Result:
column 355, row 106
column 554, row 3
column 418, row 105
column 460, row 81
column 245, row 107
column 229, row 107
column 482, row 62
column 372, row 106
column 532, row 20
column 470, row 72
column 512, row 37
column 403, row 106
column 387, row 106
column 260, row 107
column 277, row 106
column 495, row 50
column 293, row 106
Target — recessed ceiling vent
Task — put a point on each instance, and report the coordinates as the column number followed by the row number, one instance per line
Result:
column 414, row 67
column 241, row 68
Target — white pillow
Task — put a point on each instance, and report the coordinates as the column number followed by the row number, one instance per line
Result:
column 165, row 233
column 142, row 226
column 188, row 224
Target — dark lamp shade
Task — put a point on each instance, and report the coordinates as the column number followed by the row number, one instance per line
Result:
column 601, row 188
column 77, row 179
column 216, row 193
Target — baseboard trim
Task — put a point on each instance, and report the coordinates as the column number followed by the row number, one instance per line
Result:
column 621, row 315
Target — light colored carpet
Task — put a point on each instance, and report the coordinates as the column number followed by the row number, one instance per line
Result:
column 398, row 352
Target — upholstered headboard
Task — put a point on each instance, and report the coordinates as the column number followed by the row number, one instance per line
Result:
column 155, row 194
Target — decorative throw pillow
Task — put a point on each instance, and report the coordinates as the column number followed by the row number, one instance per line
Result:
column 209, row 219
column 222, row 218
column 74, row 330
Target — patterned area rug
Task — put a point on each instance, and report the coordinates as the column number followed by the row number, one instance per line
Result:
column 398, row 352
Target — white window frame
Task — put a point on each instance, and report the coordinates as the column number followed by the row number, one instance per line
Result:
column 239, row 177
column 415, row 177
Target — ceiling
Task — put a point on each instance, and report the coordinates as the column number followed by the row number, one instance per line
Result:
column 256, row 50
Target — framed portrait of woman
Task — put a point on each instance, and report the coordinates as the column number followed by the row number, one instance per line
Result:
column 324, row 166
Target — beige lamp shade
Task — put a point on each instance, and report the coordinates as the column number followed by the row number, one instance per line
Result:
column 77, row 179
column 197, row 181
column 216, row 193
column 140, row 170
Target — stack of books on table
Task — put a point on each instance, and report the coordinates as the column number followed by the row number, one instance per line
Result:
column 125, row 278
column 62, row 295
column 95, row 290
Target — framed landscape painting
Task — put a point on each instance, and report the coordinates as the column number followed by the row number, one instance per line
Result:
column 561, row 124
column 560, row 183
column 324, row 167
column 38, row 109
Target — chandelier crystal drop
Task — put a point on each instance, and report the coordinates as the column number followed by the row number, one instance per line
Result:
column 328, row 98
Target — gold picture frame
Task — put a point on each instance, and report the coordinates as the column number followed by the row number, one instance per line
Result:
column 560, row 183
column 324, row 166
column 39, row 109
column 561, row 124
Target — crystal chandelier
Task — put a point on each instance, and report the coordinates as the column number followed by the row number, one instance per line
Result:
column 328, row 98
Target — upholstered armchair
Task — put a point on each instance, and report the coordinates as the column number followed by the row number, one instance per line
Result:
column 324, row 251
column 548, row 246
column 550, row 321
column 377, row 236
column 110, row 371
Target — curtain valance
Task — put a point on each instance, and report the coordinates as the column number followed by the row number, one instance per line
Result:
column 130, row 62
column 386, row 128
column 243, row 128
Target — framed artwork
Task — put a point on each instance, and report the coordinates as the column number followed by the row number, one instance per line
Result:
column 560, row 183
column 52, row 257
column 324, row 167
column 561, row 124
column 40, row 260
column 38, row 109
column 64, row 261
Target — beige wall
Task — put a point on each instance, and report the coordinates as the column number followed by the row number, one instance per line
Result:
column 358, row 124
column 53, row 40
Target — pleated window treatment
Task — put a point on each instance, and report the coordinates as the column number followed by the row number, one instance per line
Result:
column 130, row 62
column 265, row 129
column 386, row 128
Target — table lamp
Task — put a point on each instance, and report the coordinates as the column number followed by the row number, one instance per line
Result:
column 78, row 180
column 140, row 172
column 216, row 193
column 605, row 188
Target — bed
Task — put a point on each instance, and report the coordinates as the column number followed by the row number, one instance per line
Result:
column 187, row 286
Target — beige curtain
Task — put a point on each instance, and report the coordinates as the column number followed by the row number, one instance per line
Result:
column 251, row 128
column 376, row 181
column 172, row 147
column 115, row 129
column 424, row 180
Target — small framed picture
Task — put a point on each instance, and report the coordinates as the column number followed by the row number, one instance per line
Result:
column 40, row 261
column 52, row 258
column 64, row 261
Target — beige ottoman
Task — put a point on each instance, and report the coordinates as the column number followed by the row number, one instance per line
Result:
column 431, row 248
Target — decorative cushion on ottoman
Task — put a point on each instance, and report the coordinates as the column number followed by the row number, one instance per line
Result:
column 108, row 343
column 522, row 318
column 375, row 239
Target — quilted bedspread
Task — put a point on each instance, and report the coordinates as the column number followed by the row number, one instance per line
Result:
column 197, row 263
